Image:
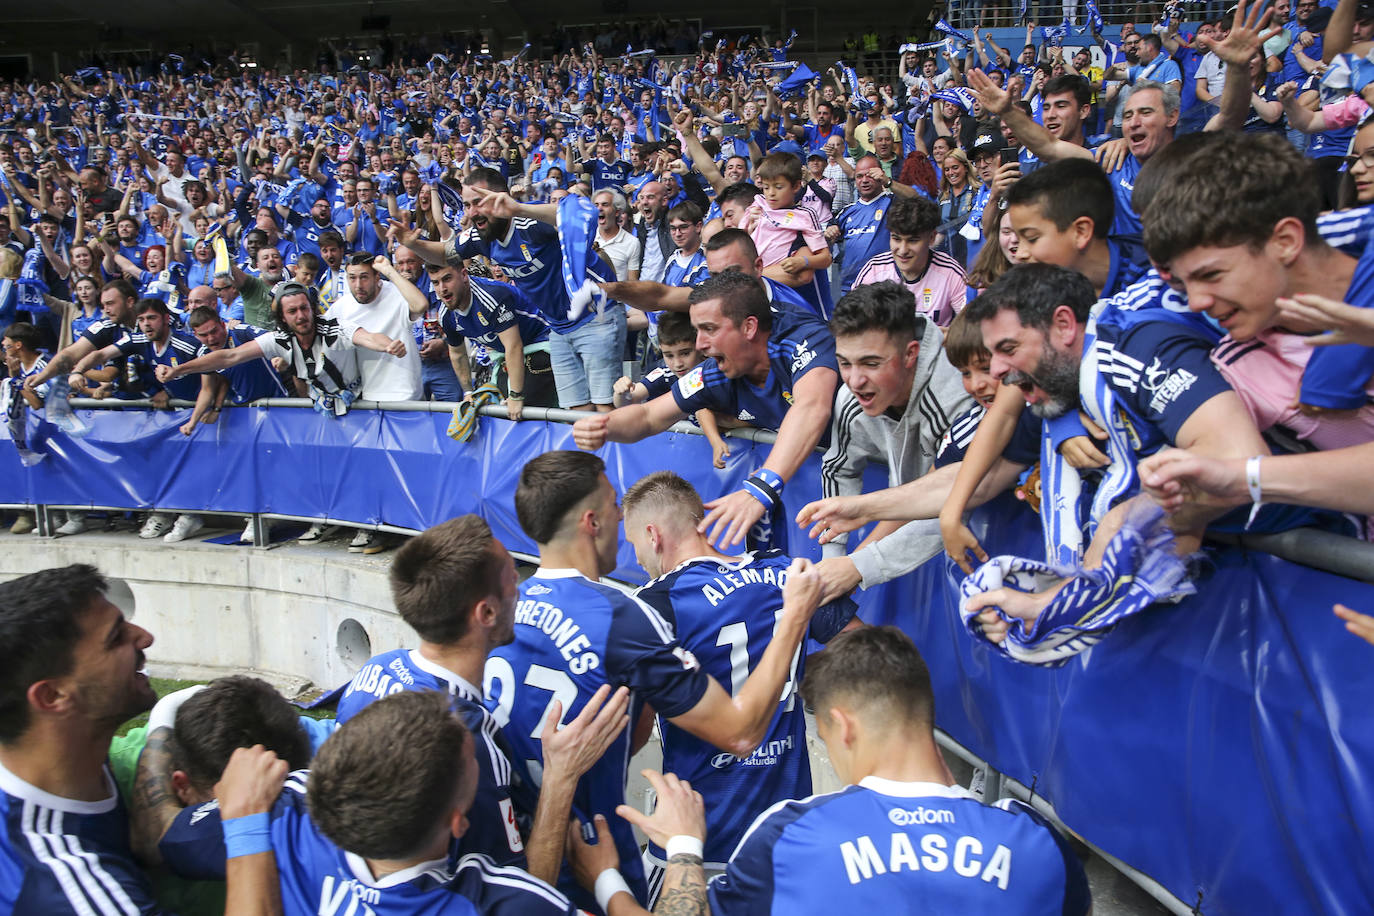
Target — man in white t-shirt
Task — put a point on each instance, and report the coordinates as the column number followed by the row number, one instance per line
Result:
column 621, row 248
column 383, row 308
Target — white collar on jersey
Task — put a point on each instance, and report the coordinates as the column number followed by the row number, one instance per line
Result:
column 443, row 674
column 913, row 789
column 545, row 572
column 358, row 865
column 13, row 785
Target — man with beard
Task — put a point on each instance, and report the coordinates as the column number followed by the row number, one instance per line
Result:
column 73, row 673
column 117, row 301
column 521, row 240
column 255, row 291
column 1168, row 392
column 319, row 350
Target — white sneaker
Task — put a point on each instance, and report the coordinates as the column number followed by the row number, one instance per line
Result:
column 316, row 532
column 158, row 524
column 361, row 541
column 75, row 524
column 247, row 536
column 186, row 525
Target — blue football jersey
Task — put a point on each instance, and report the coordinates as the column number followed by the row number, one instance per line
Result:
column 880, row 846
column 798, row 344
column 494, row 307
column 724, row 611
column 1126, row 222
column 864, row 229
column 782, row 297
column 1024, row 447
column 609, row 174
column 1337, row 377
column 495, row 815
column 571, row 636
column 688, row 271
column 179, row 348
column 59, row 856
column 1155, row 355
column 317, row 877
column 252, row 380
column 531, row 257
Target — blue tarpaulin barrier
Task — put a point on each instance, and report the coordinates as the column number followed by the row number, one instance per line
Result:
column 1218, row 745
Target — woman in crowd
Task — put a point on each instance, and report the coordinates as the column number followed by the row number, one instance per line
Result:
column 957, row 191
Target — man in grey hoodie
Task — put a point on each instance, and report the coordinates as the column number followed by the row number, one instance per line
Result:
column 899, row 398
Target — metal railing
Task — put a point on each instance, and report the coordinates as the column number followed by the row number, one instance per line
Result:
column 1323, row 550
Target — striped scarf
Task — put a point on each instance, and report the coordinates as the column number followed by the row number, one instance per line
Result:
column 1138, row 569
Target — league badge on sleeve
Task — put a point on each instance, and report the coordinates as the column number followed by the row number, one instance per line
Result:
column 691, row 383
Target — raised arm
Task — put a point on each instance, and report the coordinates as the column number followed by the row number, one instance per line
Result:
column 1248, row 34
column 1035, row 137
column 212, row 362
column 415, row 300
column 729, row 518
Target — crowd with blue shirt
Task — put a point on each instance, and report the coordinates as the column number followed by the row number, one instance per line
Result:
column 1129, row 278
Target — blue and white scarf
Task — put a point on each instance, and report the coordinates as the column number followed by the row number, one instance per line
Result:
column 1138, row 569
column 17, row 418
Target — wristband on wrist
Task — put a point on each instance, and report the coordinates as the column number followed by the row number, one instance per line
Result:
column 608, row 884
column 247, row 835
column 760, row 491
column 683, row 844
column 772, row 478
column 515, row 395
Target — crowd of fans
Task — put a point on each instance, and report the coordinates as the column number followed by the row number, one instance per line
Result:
column 1128, row 281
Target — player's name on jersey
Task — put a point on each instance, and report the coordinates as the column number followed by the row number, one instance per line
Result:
column 562, row 630
column 731, row 580
column 863, row 858
column 381, row 682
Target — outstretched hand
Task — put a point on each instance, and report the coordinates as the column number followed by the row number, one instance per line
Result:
column 1248, row 34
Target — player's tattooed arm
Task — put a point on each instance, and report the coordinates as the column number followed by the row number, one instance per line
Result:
column 684, row 888
column 154, row 804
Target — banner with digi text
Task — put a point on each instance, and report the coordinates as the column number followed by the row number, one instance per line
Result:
column 1221, row 745
column 370, row 467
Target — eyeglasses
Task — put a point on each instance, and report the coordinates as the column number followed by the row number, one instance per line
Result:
column 680, row 227
column 1365, row 159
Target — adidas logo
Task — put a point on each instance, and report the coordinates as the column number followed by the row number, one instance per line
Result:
column 746, row 415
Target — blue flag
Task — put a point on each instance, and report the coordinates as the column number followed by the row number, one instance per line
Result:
column 797, row 82
column 577, row 218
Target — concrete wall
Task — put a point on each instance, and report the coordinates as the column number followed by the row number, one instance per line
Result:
column 293, row 613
